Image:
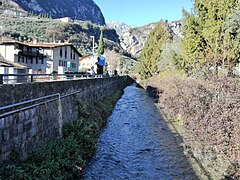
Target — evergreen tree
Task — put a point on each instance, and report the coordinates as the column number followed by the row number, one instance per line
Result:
column 204, row 34
column 100, row 45
column 151, row 52
column 100, row 52
column 231, row 41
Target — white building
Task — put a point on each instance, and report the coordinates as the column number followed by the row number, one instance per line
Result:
column 41, row 58
column 7, row 67
column 65, row 19
column 87, row 62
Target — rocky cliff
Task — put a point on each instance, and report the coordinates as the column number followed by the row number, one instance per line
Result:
column 120, row 27
column 133, row 39
column 85, row 10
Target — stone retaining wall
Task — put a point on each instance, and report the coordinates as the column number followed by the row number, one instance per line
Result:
column 41, row 121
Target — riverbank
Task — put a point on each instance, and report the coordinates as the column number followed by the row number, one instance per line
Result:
column 67, row 157
column 205, row 113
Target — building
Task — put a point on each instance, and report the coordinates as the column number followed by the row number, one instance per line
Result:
column 41, row 58
column 86, row 63
column 7, row 67
column 65, row 19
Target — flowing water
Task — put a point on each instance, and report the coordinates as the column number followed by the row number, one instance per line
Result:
column 137, row 144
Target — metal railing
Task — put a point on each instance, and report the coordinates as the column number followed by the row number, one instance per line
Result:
column 30, row 53
column 13, row 108
column 24, row 78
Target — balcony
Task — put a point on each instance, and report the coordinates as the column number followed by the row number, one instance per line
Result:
column 31, row 54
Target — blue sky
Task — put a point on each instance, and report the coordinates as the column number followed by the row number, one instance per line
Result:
column 142, row 12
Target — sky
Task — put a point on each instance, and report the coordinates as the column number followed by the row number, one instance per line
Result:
column 142, row 12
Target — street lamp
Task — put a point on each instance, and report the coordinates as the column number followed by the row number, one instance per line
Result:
column 93, row 55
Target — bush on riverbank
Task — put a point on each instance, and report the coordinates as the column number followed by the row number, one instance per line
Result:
column 67, row 157
column 210, row 111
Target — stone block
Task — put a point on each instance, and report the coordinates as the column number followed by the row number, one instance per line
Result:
column 21, row 117
column 7, row 147
column 28, row 135
column 17, row 141
column 27, row 114
column 29, row 145
column 2, row 123
column 9, row 121
column 5, row 156
column 6, row 135
column 34, row 121
column 32, row 113
column 35, row 139
column 14, row 131
column 33, row 132
column 20, row 128
column 27, row 126
column 24, row 136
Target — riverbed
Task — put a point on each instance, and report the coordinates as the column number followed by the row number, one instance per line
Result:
column 137, row 144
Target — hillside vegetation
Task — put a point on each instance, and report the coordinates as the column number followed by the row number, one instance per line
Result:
column 46, row 29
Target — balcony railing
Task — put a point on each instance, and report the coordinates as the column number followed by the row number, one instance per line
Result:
column 30, row 53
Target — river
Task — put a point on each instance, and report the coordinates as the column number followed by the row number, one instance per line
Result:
column 137, row 144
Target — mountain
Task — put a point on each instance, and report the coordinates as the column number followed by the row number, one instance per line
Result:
column 85, row 10
column 133, row 39
column 120, row 27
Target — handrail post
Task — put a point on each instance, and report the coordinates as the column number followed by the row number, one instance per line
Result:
column 1, row 79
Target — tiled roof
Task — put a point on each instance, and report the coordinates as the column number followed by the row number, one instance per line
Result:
column 48, row 44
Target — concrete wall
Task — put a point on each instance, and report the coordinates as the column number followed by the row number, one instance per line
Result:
column 40, row 121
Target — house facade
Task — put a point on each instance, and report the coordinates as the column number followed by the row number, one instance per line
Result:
column 7, row 67
column 41, row 58
column 87, row 62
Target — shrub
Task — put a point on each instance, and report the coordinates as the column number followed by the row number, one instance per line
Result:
column 210, row 113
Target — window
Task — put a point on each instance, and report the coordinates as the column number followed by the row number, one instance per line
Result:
column 31, row 60
column 41, row 60
column 36, row 60
column 60, row 63
column 73, row 65
column 71, row 54
column 29, row 49
column 19, row 58
column 74, row 57
column 66, row 52
column 60, row 52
